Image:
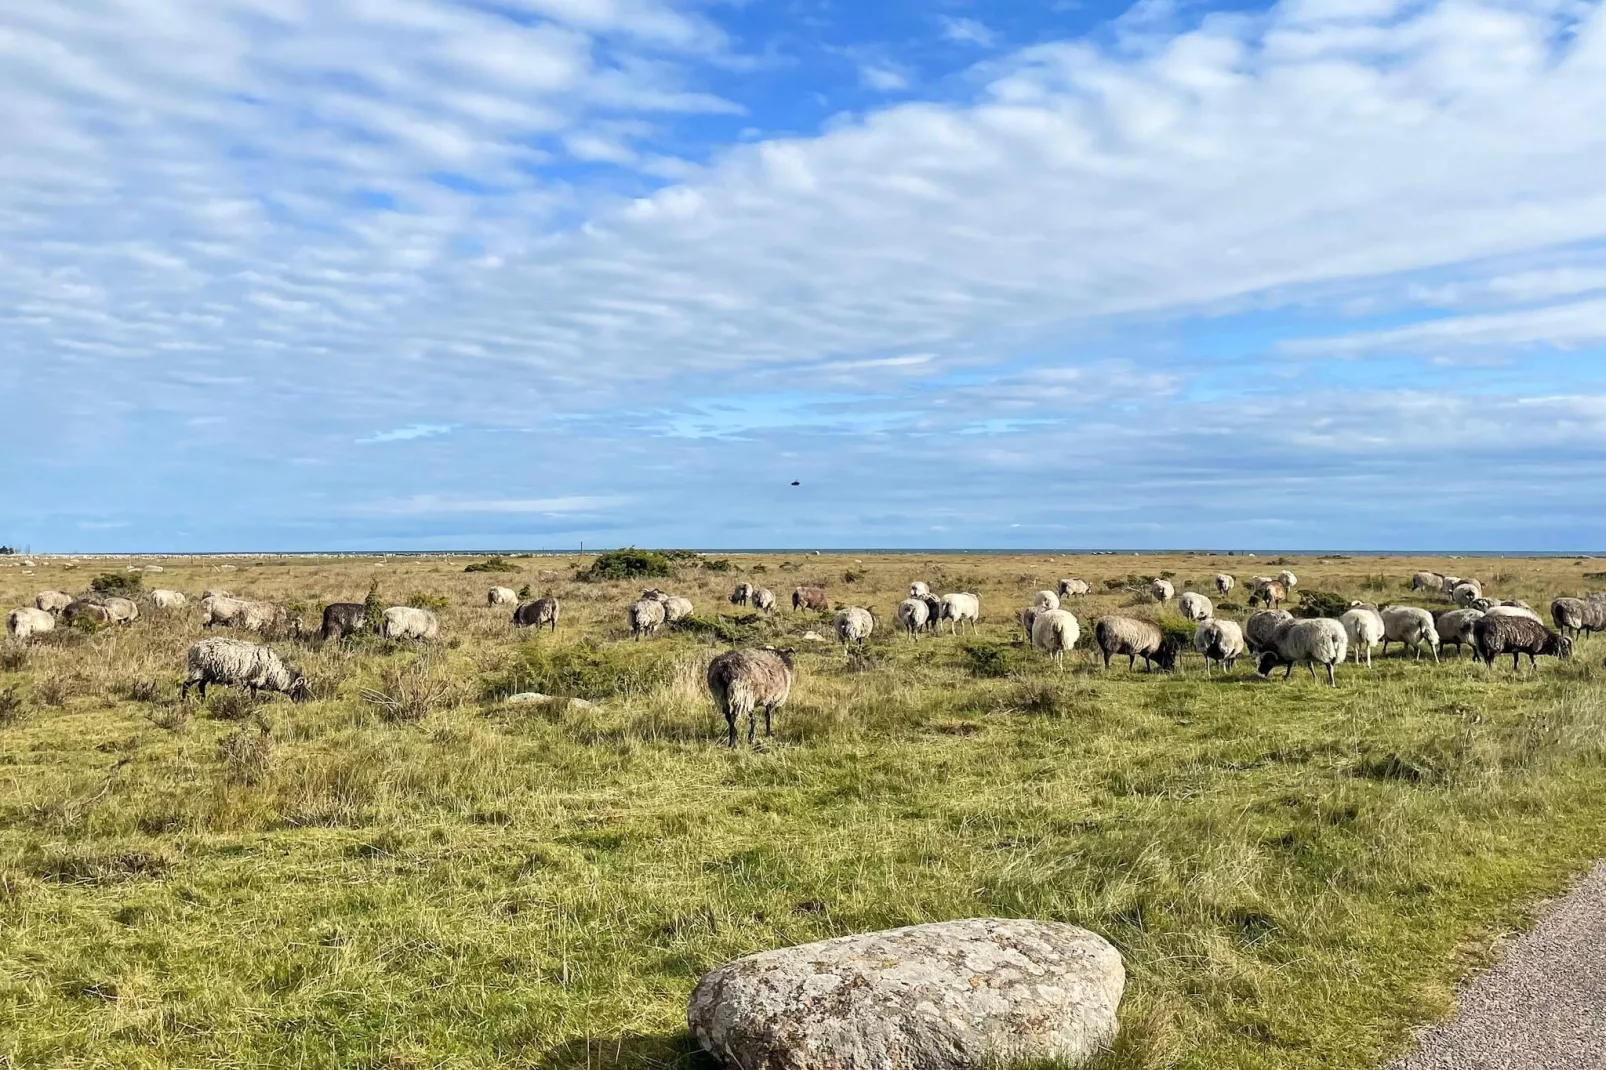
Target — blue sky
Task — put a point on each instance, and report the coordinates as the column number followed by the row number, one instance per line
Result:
column 349, row 274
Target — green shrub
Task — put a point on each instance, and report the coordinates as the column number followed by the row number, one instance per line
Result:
column 718, row 564
column 851, row 576
column 758, row 568
column 588, row 670
column 13, row 710
column 747, row 630
column 425, row 600
column 1315, row 603
column 993, row 661
column 7, row 551
column 495, row 563
column 526, row 593
column 373, row 610
column 630, row 564
column 1178, row 628
column 123, row 584
column 411, row 692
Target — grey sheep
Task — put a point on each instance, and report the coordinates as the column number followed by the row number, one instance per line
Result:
column 1576, row 615
column 1494, row 636
column 1363, row 627
column 1136, row 639
column 165, row 599
column 1466, row 592
column 1073, row 588
column 1195, row 606
column 1412, row 627
column 677, row 608
column 1260, row 628
column 854, row 625
column 646, row 617
column 409, row 622
column 543, row 612
column 1162, row 591
column 743, row 680
column 237, row 663
column 1055, row 632
column 742, row 593
column 1455, row 626
column 812, row 598
column 501, row 596
column 764, row 600
column 913, row 614
column 1428, row 581
column 1028, row 617
column 81, row 609
column 1320, row 641
column 1219, row 641
column 1503, row 610
column 341, row 619
column 52, row 601
column 240, row 613
column 1287, row 579
column 25, row 623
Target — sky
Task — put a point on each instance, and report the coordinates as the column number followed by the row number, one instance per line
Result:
column 437, row 274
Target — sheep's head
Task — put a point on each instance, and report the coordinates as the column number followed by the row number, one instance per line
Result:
column 786, row 654
column 1268, row 661
column 1166, row 656
column 1563, row 645
column 299, row 691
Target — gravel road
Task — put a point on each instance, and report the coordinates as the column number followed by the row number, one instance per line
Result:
column 1542, row 1006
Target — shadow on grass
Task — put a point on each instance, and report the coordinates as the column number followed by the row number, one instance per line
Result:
column 629, row 1051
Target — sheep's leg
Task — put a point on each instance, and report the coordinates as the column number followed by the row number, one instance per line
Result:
column 730, row 722
column 1311, row 665
column 1515, row 656
column 1332, row 681
column 1131, row 662
column 1289, row 671
column 769, row 709
column 752, row 724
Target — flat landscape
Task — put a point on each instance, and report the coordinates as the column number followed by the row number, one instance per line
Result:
column 408, row 871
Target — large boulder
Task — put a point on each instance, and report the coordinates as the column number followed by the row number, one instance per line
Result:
column 953, row 995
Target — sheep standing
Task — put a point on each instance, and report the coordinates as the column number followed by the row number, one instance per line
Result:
column 1320, row 641
column 1225, row 584
column 1221, row 641
column 52, row 601
column 1288, row 579
column 1136, row 639
column 1363, row 627
column 912, row 614
column 165, row 599
column 1055, row 632
column 1513, row 611
column 1045, row 600
column 543, row 612
column 854, row 625
column 1579, row 616
column 646, row 617
column 341, row 619
column 1162, row 591
column 1262, row 627
column 742, row 593
column 743, row 680
column 919, row 589
column 1428, row 581
column 240, row 613
column 1455, row 626
column 811, row 598
column 1195, row 606
column 1411, row 626
column 933, row 612
column 501, row 596
column 1028, row 618
column 677, row 608
column 1073, row 588
column 1466, row 592
column 237, row 663
column 1494, row 636
column 1270, row 594
column 409, row 622
column 764, row 600
column 25, row 623
column 959, row 608
column 122, row 610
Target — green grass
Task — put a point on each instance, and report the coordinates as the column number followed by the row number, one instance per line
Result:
column 1296, row 876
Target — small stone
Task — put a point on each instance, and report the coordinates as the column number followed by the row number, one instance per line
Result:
column 957, row 995
column 814, row 637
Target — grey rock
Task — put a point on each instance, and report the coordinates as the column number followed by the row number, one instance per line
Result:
column 536, row 696
column 953, row 995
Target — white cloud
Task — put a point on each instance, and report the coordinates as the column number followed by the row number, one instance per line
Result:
column 883, row 78
column 1567, row 326
column 411, row 431
column 967, row 31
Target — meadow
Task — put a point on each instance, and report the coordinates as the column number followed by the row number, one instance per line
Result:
column 410, row 872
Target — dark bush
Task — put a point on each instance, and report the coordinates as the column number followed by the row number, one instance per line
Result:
column 495, row 563
column 630, row 564
column 123, row 584
column 1320, row 604
column 851, row 576
column 587, row 670
column 373, row 610
column 718, row 564
column 992, row 661
column 733, row 631
column 526, row 593
column 425, row 600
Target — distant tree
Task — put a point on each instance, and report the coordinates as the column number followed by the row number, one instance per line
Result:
column 5, row 550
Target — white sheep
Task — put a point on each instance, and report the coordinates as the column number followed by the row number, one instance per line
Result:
column 52, row 601
column 919, row 589
column 1364, row 629
column 123, row 610
column 236, row 663
column 1412, row 627
column 1045, row 600
column 912, row 614
column 1287, row 579
column 1466, row 593
column 1073, row 588
column 1162, row 590
column 409, row 622
column 1196, row 606
column 1055, row 632
column 1321, row 641
column 763, row 599
column 646, row 615
column 1221, row 641
column 239, row 613
column 677, row 608
column 1224, row 584
column 1455, row 626
column 1428, row 581
column 25, row 623
column 854, row 625
column 959, row 608
column 501, row 596
column 165, row 599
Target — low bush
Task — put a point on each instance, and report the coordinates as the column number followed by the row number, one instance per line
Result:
column 246, row 753
column 123, row 584
column 494, row 563
column 411, row 692
column 13, row 711
column 753, row 628
column 425, row 600
column 13, row 659
column 1319, row 604
column 588, row 670
column 993, row 661
column 718, row 564
column 628, row 564
column 225, row 704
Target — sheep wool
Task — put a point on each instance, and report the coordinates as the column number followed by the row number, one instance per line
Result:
column 1195, row 606
column 29, row 621
column 409, row 622
column 959, row 608
column 764, row 600
column 237, row 663
column 501, row 596
column 1225, row 584
column 912, row 614
column 646, row 617
column 541, row 613
column 1494, row 636
column 1219, row 641
column 743, row 680
column 1046, row 600
column 1319, row 641
column 854, row 625
column 164, row 599
column 1262, row 626
column 1455, row 627
column 1073, row 588
column 1412, row 626
column 52, row 601
column 1364, row 629
column 1136, row 639
column 1055, row 632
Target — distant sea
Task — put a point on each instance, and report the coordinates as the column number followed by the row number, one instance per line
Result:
column 859, row 551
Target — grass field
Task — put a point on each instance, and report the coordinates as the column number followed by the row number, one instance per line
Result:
column 1296, row 875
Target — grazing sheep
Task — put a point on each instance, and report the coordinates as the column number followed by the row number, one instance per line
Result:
column 1494, row 636
column 536, row 614
column 408, row 622
column 215, row 592
column 1427, row 581
column 1073, row 588
column 646, row 616
column 1028, row 617
column 1451, row 583
column 1320, row 641
column 1046, row 600
column 1465, row 593
column 1363, row 627
column 1287, row 579
column 959, row 608
column 742, row 593
column 912, row 614
column 1136, row 639
column 1270, row 594
column 52, row 601
column 237, row 663
column 764, row 600
column 1411, row 626
column 1513, row 611
column 123, row 610
column 933, row 612
column 1455, row 626
column 743, row 680
column 341, row 619
column 25, row 623
column 1225, row 584
column 811, row 598
column 1260, row 581
column 501, row 596
column 1196, row 606
column 677, row 608
column 1054, row 632
column 854, row 625
column 164, row 599
column 1221, row 641
column 240, row 613
column 1578, row 616
column 919, row 589
column 1482, row 604
column 1262, row 626
column 1162, row 591
column 80, row 609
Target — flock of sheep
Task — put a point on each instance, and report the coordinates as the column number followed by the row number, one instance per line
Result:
column 745, row 681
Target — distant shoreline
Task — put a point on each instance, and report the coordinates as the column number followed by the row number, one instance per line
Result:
column 823, row 551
